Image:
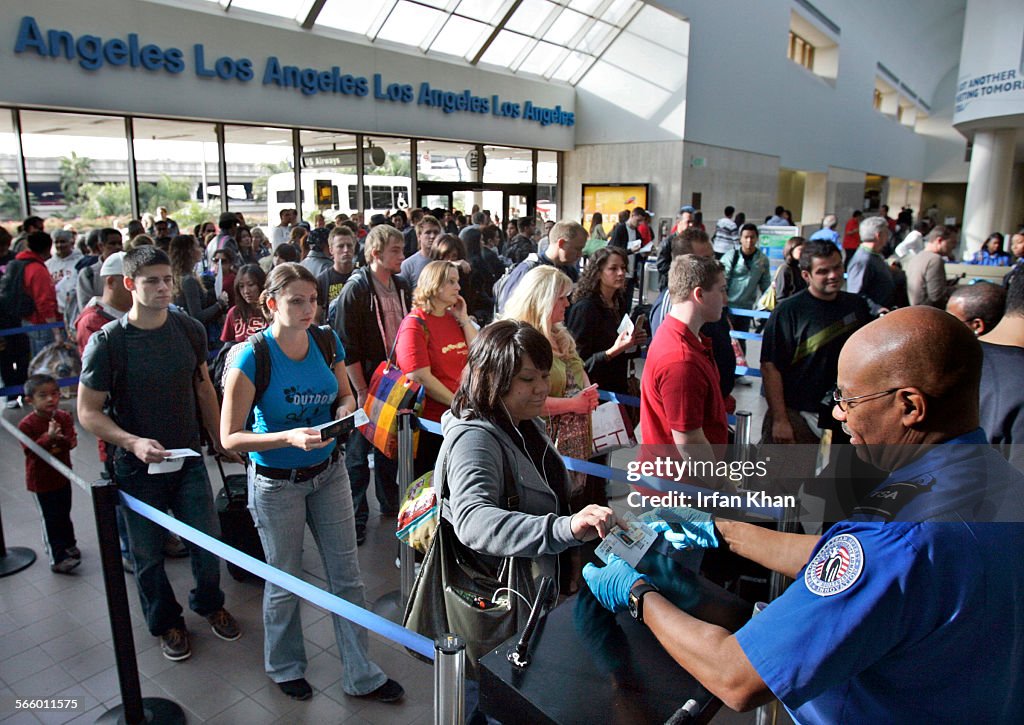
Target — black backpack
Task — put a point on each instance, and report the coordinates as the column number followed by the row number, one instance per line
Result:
column 15, row 303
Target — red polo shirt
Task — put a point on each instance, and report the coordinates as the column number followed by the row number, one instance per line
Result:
column 679, row 390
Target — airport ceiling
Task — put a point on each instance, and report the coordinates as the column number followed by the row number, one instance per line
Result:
column 557, row 40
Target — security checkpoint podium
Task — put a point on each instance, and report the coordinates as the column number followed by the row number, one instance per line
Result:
column 588, row 665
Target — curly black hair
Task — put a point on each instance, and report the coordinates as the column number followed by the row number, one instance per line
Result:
column 590, row 281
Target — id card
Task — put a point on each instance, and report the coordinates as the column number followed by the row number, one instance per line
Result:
column 630, row 543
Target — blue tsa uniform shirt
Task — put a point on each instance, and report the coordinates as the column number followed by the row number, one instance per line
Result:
column 299, row 395
column 913, row 609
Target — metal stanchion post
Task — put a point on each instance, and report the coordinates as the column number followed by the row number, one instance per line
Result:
column 392, row 604
column 133, row 708
column 14, row 559
column 406, row 554
column 449, row 680
column 742, row 437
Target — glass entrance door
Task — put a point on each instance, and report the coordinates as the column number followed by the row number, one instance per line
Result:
column 502, row 200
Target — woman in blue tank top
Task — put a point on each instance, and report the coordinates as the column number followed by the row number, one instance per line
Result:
column 297, row 479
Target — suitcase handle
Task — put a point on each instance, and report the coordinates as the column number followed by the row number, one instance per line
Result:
column 224, row 478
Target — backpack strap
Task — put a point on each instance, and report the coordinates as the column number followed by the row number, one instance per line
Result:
column 323, row 336
column 261, row 351
column 196, row 337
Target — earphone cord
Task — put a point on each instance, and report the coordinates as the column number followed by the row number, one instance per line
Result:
column 513, row 591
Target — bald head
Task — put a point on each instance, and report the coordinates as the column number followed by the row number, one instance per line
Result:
column 924, row 348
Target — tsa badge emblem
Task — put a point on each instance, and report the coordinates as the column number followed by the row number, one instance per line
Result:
column 836, row 566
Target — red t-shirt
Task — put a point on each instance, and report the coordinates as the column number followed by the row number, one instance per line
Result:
column 680, row 388
column 441, row 347
column 238, row 330
column 851, row 234
column 41, row 477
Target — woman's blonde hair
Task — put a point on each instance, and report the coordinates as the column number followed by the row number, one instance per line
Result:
column 534, row 298
column 280, row 277
column 433, row 277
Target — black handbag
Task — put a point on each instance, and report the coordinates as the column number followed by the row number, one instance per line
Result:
column 456, row 590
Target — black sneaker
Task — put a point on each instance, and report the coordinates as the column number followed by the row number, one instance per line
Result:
column 65, row 566
column 224, row 625
column 73, row 552
column 296, row 689
column 174, row 644
column 390, row 691
column 360, row 535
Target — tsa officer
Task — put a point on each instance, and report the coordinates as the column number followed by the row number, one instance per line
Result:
column 911, row 609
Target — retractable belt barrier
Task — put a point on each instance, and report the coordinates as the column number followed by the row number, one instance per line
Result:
column 18, row 389
column 663, row 485
column 743, row 312
column 307, row 591
column 29, row 328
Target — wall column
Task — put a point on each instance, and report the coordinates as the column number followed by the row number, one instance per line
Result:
column 988, row 186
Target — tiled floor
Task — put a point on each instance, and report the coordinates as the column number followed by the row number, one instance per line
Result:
column 55, row 633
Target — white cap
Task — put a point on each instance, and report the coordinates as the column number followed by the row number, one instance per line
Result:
column 113, row 265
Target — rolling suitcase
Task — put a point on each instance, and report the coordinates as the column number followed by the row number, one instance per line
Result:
column 236, row 525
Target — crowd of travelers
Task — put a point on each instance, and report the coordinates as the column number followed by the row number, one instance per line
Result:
column 244, row 340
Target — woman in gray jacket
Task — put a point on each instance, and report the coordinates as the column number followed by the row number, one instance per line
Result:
column 492, row 430
column 493, row 426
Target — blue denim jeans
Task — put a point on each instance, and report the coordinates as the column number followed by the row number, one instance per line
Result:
column 385, row 477
column 187, row 494
column 38, row 339
column 281, row 510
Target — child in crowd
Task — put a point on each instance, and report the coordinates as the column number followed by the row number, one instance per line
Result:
column 53, row 429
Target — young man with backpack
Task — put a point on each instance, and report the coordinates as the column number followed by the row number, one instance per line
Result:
column 370, row 310
column 158, row 397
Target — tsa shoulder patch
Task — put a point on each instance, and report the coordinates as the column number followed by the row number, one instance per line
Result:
column 836, row 566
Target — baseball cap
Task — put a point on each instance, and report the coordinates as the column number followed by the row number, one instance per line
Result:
column 113, row 265
column 687, row 208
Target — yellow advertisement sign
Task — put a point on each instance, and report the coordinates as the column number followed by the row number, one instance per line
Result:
column 609, row 200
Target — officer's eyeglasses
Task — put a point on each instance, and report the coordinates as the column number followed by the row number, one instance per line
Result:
column 842, row 402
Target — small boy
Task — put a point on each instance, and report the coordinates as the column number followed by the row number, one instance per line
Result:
column 53, row 429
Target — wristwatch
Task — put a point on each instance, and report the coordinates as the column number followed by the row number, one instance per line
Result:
column 636, row 598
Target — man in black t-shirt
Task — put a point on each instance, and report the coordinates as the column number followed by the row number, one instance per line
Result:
column 157, row 401
column 330, row 282
column 802, row 340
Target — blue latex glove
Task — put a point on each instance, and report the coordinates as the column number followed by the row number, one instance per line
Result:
column 610, row 584
column 698, row 529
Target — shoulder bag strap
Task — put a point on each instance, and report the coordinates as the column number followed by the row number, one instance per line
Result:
column 377, row 313
column 509, row 486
